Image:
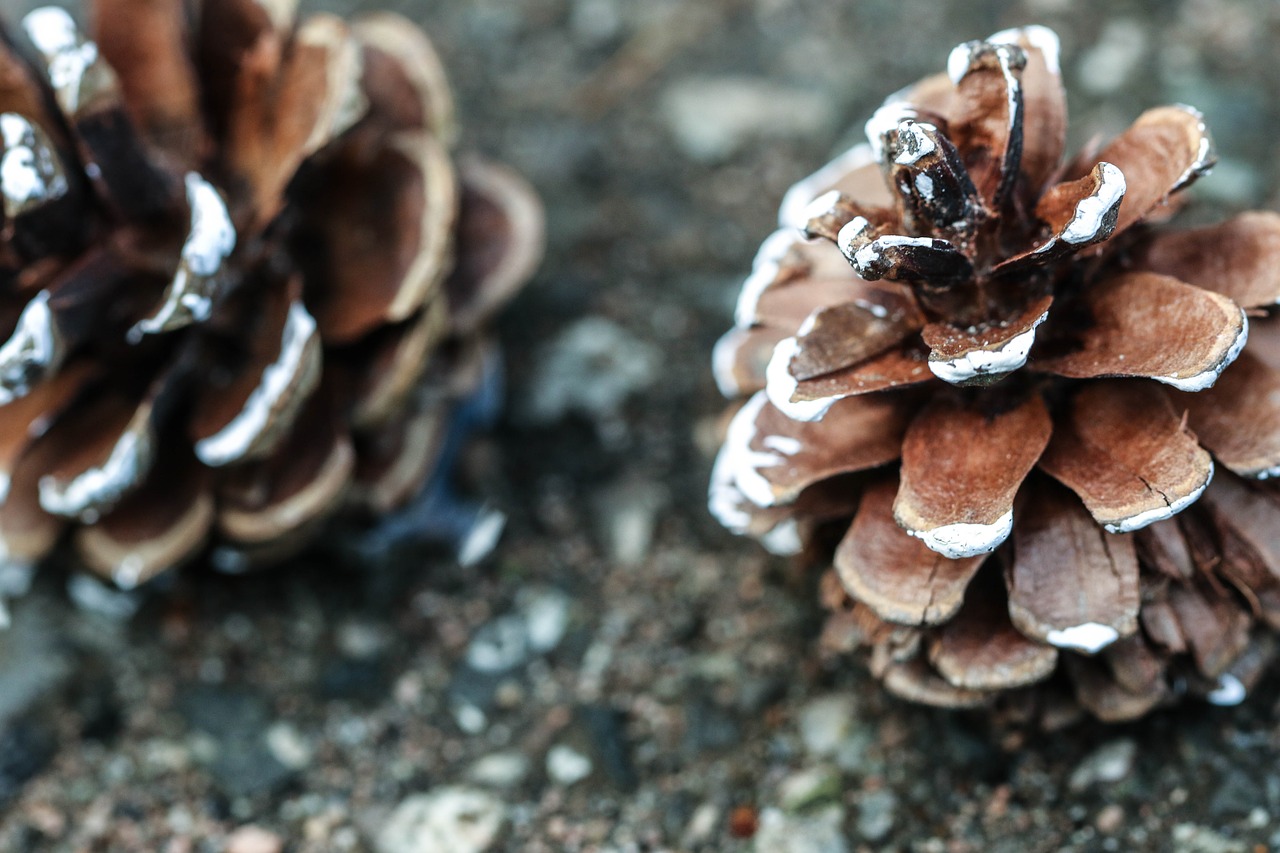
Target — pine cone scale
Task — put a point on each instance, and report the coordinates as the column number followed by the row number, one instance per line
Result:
column 1163, row 151
column 143, row 42
column 963, row 356
column 246, row 418
column 1157, row 327
column 866, row 433
column 895, row 574
column 961, row 469
column 153, row 527
column 1070, row 584
column 846, row 334
column 980, row 649
column 986, row 119
column 1234, row 258
column 1126, row 452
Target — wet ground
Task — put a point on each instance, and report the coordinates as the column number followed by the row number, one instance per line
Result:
column 621, row 674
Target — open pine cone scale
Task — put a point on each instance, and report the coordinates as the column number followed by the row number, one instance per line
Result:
column 1005, row 394
column 240, row 266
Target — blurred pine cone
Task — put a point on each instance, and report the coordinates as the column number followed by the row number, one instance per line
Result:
column 244, row 279
column 991, row 393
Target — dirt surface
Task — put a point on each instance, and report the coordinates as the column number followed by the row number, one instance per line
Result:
column 621, row 674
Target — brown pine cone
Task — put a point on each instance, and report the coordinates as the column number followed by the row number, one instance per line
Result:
column 244, row 280
column 993, row 395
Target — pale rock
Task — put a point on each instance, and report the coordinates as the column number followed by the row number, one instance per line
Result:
column 453, row 819
column 818, row 832
column 713, row 118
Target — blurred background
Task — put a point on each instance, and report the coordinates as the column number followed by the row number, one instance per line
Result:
column 621, row 675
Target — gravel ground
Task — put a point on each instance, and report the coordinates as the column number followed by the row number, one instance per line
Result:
column 622, row 675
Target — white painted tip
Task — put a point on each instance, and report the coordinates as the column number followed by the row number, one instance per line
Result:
column 99, row 487
column 1206, row 379
column 1206, row 156
column 1230, row 691
column 1151, row 516
column 724, row 358
column 958, row 61
column 33, row 350
column 784, row 539
column 238, row 437
column 51, row 29
column 1093, row 213
column 1038, row 37
column 1090, row 638
column 211, row 237
column 980, row 363
column 885, row 121
column 780, row 385
column 31, row 172
column 765, row 270
column 964, row 539
column 68, row 56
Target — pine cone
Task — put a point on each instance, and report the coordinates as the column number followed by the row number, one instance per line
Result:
column 244, row 280
column 993, row 394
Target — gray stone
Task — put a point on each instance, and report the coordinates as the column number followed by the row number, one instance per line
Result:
column 595, row 22
column 288, row 746
column 565, row 765
column 877, row 813
column 1107, row 66
column 1190, row 838
column 807, row 788
column 500, row 645
column 591, row 369
column 362, row 640
column 452, row 819
column 500, row 769
column 709, row 727
column 713, row 118
column 818, row 832
column 546, row 617
column 826, row 722
column 1111, row 762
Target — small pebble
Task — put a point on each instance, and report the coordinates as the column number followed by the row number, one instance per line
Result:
column 592, row 368
column 809, row 787
column 288, row 746
column 1110, row 762
column 500, row 770
column 1110, row 819
column 825, row 723
column 1190, row 838
column 743, row 822
column 1107, row 66
column 453, row 819
column 877, row 812
column 713, row 118
column 819, row 832
column 254, row 839
column 703, row 824
column 565, row 765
